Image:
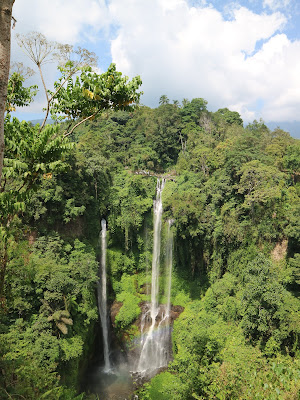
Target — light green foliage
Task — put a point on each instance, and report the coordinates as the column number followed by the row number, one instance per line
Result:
column 187, row 204
column 230, row 117
column 66, row 282
column 127, row 291
column 72, row 210
column 32, row 354
column 128, row 284
column 295, row 269
column 129, row 311
column 246, row 374
column 181, row 299
column 221, row 297
column 165, row 386
column 260, row 183
column 90, row 93
column 119, row 263
column 71, row 347
column 17, row 94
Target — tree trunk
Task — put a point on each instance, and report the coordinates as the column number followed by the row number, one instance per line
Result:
column 3, row 264
column 5, row 33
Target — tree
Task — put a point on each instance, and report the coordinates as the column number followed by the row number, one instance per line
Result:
column 185, row 102
column 29, row 156
column 267, row 308
column 163, row 100
column 41, row 51
column 192, row 111
column 33, row 153
column 260, row 184
column 5, row 26
column 90, row 93
column 17, row 94
column 231, row 117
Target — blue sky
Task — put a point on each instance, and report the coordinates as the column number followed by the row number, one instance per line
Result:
column 244, row 54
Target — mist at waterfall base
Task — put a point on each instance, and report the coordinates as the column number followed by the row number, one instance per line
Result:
column 112, row 373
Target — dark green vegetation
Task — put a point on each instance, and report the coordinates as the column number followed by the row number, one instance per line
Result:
column 234, row 195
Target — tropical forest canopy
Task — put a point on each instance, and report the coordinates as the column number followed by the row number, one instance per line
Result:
column 233, row 193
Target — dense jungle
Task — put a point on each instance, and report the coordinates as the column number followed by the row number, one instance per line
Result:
column 232, row 194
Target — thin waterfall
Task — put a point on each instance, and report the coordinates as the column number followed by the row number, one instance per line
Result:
column 102, row 297
column 147, row 261
column 153, row 351
column 169, row 265
column 158, row 209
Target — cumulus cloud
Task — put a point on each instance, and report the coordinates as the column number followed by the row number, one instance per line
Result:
column 243, row 61
column 67, row 21
column 185, row 51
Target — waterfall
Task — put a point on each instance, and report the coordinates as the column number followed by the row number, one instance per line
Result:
column 102, row 298
column 156, row 342
column 158, row 209
column 169, row 264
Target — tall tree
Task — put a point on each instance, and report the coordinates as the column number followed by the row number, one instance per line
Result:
column 5, row 33
column 163, row 100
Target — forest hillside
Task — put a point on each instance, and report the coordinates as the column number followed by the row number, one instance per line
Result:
column 232, row 194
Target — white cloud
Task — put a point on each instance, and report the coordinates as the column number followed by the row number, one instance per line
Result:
column 64, row 21
column 276, row 4
column 191, row 52
column 245, row 63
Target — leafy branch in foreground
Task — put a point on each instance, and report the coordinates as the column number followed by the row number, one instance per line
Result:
column 17, row 94
column 90, row 93
column 86, row 95
column 41, row 51
column 30, row 155
column 33, row 153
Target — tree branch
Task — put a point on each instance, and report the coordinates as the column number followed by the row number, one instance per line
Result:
column 45, row 88
column 79, row 123
column 52, row 97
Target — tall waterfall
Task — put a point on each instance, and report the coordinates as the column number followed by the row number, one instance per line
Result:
column 169, row 265
column 102, row 298
column 156, row 342
column 158, row 209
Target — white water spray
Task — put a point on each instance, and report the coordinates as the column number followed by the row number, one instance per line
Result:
column 102, row 298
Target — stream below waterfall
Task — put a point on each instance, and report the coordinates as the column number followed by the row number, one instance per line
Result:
column 115, row 385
